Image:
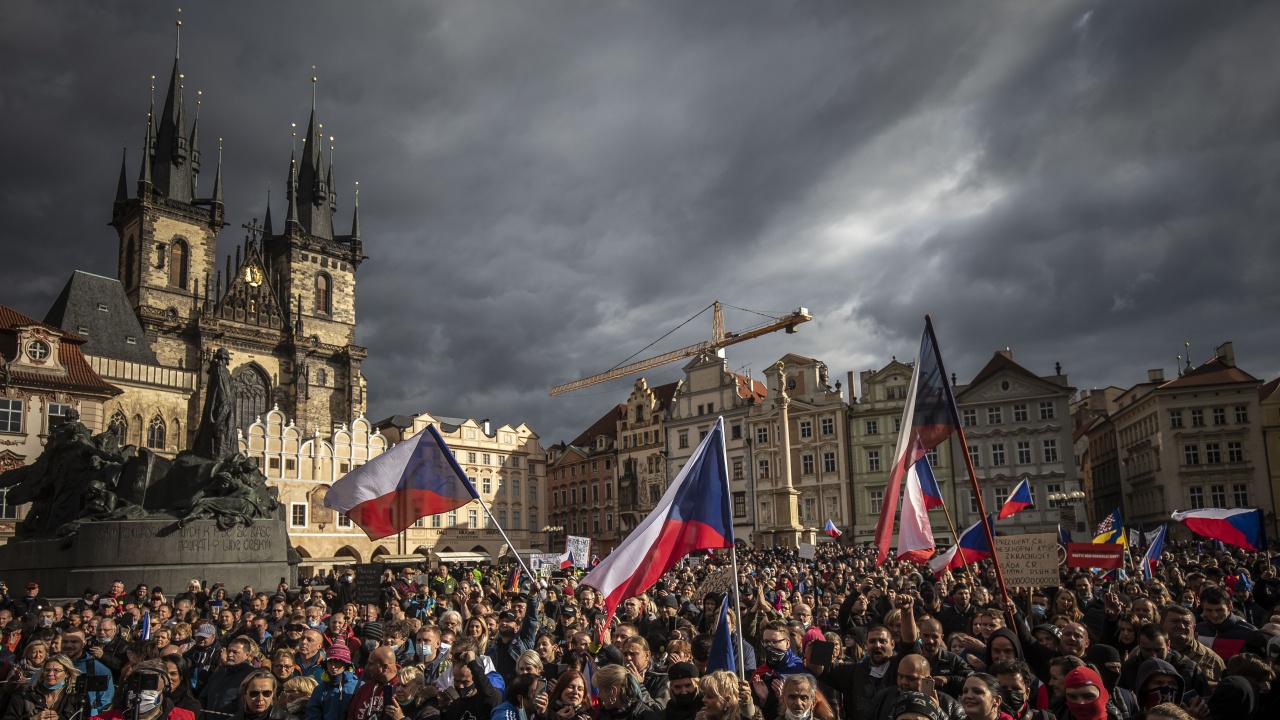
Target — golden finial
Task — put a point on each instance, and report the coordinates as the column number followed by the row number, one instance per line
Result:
column 177, row 40
column 295, row 136
column 313, row 88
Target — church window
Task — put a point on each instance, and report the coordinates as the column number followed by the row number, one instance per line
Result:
column 155, row 433
column 178, row 256
column 119, row 425
column 322, row 377
column 250, row 389
column 324, row 296
column 130, row 262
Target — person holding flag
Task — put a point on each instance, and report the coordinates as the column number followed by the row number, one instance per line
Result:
column 1111, row 530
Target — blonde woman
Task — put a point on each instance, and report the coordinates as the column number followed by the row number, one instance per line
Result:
column 476, row 630
column 529, row 663
column 49, row 696
column 725, row 697
column 293, row 696
column 621, row 697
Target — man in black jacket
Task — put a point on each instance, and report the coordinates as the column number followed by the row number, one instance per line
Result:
column 109, row 648
column 956, row 614
column 476, row 695
column 31, row 603
column 859, row 682
column 222, row 693
column 948, row 669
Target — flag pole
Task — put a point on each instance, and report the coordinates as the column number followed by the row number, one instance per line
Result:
column 515, row 551
column 737, row 601
column 959, row 549
column 968, row 461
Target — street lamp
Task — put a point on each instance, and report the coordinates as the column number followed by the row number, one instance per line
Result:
column 552, row 530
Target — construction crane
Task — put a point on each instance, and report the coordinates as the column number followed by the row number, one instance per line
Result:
column 719, row 339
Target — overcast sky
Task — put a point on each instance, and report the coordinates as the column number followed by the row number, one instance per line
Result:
column 548, row 186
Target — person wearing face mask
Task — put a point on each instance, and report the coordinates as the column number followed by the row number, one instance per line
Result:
column 1106, row 660
column 1016, row 678
column 526, row 699
column 686, row 699
column 779, row 662
column 477, row 697
column 332, row 697
column 1086, row 696
column 1158, row 682
column 146, row 695
column 48, row 696
column 802, row 700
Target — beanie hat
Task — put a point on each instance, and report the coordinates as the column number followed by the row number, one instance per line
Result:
column 917, row 703
column 1235, row 696
column 683, row 671
column 339, row 651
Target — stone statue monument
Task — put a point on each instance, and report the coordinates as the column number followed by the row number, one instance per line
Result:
column 100, row 511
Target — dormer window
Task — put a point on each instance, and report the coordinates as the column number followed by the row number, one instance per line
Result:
column 38, row 350
column 102, row 307
column 83, row 330
column 130, row 340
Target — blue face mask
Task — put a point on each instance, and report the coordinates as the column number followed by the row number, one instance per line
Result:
column 47, row 686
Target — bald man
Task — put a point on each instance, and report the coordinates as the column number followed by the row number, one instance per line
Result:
column 913, row 670
column 377, row 689
column 1075, row 639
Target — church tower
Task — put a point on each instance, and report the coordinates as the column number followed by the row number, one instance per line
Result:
column 313, row 271
column 167, row 236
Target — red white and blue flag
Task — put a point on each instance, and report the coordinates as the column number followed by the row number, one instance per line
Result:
column 566, row 560
column 694, row 513
column 1242, row 527
column 915, row 534
column 832, row 530
column 1020, row 500
column 1154, row 550
column 973, row 542
column 417, row 478
column 929, row 419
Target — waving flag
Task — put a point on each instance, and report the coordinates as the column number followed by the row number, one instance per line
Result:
column 566, row 560
column 1242, row 527
column 1064, row 536
column 832, row 530
column 1154, row 550
column 974, row 543
column 929, row 418
column 144, row 626
column 1111, row 530
column 722, row 655
column 417, row 478
column 693, row 514
column 1020, row 500
column 915, row 535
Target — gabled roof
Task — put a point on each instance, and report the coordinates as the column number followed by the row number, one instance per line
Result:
column 748, row 388
column 80, row 376
column 1269, row 389
column 664, row 393
column 80, row 305
column 606, row 425
column 1000, row 361
column 1215, row 371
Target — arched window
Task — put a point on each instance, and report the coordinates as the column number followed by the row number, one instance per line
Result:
column 178, row 264
column 324, row 294
column 322, row 377
column 120, row 426
column 251, row 395
column 155, row 433
column 130, row 261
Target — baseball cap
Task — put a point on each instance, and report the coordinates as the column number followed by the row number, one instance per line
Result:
column 33, row 585
column 506, row 615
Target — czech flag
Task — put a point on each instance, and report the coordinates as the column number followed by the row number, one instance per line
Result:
column 1154, row 549
column 1242, row 527
column 1020, row 500
column 832, row 530
column 915, row 534
column 973, row 542
column 1064, row 536
column 929, row 419
column 694, row 513
column 417, row 478
column 566, row 560
column 1111, row 530
column 722, row 655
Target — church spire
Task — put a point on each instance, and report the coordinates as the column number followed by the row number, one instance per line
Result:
column 173, row 170
column 122, row 187
column 217, row 177
column 291, row 199
column 355, row 215
column 314, row 212
column 266, row 222
column 148, row 145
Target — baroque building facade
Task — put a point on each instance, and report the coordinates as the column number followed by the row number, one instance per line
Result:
column 642, row 461
column 583, row 484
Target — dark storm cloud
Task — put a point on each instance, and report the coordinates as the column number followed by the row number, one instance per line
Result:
column 549, row 186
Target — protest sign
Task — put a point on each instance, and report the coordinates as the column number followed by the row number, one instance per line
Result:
column 1029, row 560
column 1095, row 555
column 579, row 549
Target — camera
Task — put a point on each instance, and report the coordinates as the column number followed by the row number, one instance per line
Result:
column 85, row 684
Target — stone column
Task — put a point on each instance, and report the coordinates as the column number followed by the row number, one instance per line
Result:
column 787, row 502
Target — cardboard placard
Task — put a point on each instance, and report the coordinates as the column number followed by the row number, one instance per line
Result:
column 367, row 586
column 543, row 564
column 808, row 551
column 1029, row 560
column 579, row 549
column 1095, row 555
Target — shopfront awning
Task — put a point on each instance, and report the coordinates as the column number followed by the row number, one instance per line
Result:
column 462, row 557
column 327, row 561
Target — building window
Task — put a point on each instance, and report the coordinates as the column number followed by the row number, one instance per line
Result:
column 655, row 493
column 595, row 493
column 810, row 509
column 1212, row 453
column 969, row 418
column 435, row 521
column 973, row 502
column 806, row 429
column 178, row 256
column 994, row 416
column 828, row 426
column 595, row 523
column 1046, row 410
column 324, row 295
column 472, row 519
column 1024, row 452
column 1197, row 418
column 471, row 458
column 1002, row 494
column 684, row 439
column 155, row 433
column 873, row 461
column 515, row 463
column 740, row 504
column 484, row 459
column 1242, row 414
column 608, row 491
column 1190, row 454
column 452, row 519
column 806, row 464
column 533, row 492
column 515, row 487
column 873, row 427
column 1051, row 451
column 57, row 412
column 897, row 424
column 37, row 350
column 290, row 464
column 1235, row 452
column 1197, row 498
column 975, row 456
column 828, row 462
column 515, row 518
column 1241, row 492
column 10, row 415
column 877, row 499
column 933, row 456
column 1219, row 416
column 762, row 469
column 502, row 518
column 762, row 434
column 997, row 454
column 298, row 515
column 1175, row 418
column 251, row 395
column 1218, row 495
column 343, row 520
column 735, row 432
column 486, row 485
column 533, row 522
column 1020, row 413
column 273, row 463
column 737, row 469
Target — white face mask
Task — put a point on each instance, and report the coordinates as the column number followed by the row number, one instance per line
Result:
column 792, row 716
column 148, row 700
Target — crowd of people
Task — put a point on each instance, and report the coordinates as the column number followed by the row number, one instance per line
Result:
column 831, row 638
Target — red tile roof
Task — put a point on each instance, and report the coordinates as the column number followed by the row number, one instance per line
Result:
column 748, row 388
column 664, row 394
column 1267, row 390
column 1211, row 372
column 80, row 376
column 606, row 425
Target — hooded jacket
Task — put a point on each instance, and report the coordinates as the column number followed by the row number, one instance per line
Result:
column 1155, row 666
column 332, row 697
column 1191, row 676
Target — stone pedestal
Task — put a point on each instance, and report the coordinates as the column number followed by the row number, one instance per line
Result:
column 155, row 552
